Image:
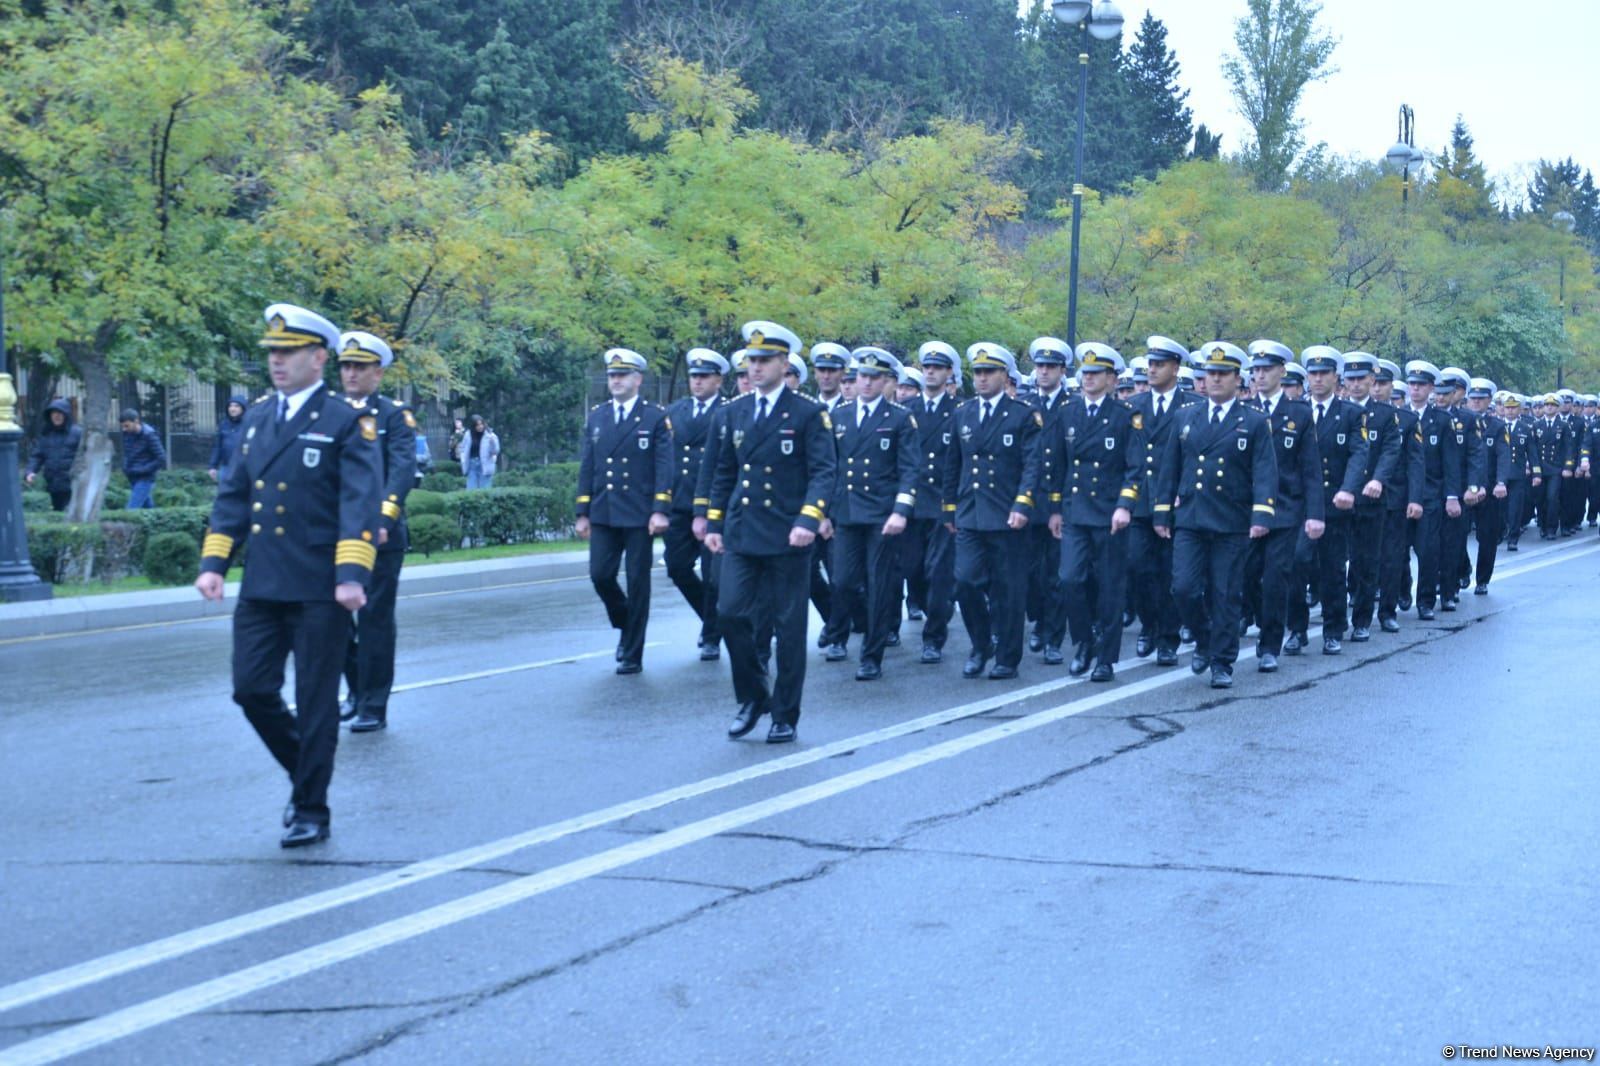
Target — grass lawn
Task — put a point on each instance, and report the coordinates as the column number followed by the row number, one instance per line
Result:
column 140, row 583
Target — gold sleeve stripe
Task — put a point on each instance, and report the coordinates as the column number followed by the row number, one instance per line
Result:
column 217, row 546
column 1026, row 501
column 1163, row 507
column 667, row 496
column 1055, row 497
column 1131, row 494
column 583, row 499
column 391, row 510
column 1264, row 509
column 906, row 499
column 700, row 501
column 713, row 515
column 357, row 552
column 811, row 512
column 949, row 507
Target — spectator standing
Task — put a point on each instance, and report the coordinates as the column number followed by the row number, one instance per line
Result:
column 480, row 452
column 227, row 442
column 143, row 458
column 457, row 435
column 54, row 452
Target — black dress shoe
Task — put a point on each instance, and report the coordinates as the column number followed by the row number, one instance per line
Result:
column 710, row 652
column 1361, row 634
column 348, row 709
column 1425, row 613
column 619, row 651
column 1449, row 605
column 288, row 813
column 975, row 664
column 1221, row 677
column 1127, row 619
column 1511, row 545
column 1002, row 673
column 1052, row 655
column 1167, row 657
column 1080, row 660
column 916, row 614
column 367, row 722
column 868, row 671
column 1389, row 625
column 1103, row 671
column 892, row 640
column 1481, row 590
column 1035, row 641
column 1267, row 663
column 837, row 653
column 1405, row 603
column 1144, row 646
column 1465, row 581
column 302, row 833
column 1293, row 645
column 629, row 667
column 1331, row 646
column 822, row 640
column 1199, row 664
column 1185, row 636
column 781, row 733
column 749, row 714
column 930, row 654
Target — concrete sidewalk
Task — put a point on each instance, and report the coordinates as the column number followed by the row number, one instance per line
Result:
column 78, row 614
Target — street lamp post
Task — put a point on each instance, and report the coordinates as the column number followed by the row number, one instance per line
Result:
column 18, row 582
column 1402, row 157
column 1566, row 221
column 1103, row 21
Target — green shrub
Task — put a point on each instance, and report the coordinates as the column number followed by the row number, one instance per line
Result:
column 36, row 502
column 190, row 521
column 59, row 550
column 116, row 497
column 433, row 532
column 422, row 502
column 500, row 516
column 443, row 481
column 171, row 559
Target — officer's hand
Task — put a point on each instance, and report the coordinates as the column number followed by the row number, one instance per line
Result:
column 383, row 536
column 1314, row 528
column 698, row 528
column 581, row 528
column 213, row 474
column 1343, row 500
column 1413, row 510
column 1566, row 473
column 1120, row 519
column 1538, row 481
column 1452, row 508
column 210, row 585
column 951, row 526
column 658, row 524
column 1055, row 525
column 1163, row 532
column 1500, row 491
column 1016, row 520
column 801, row 537
column 351, row 596
column 28, row 480
column 825, row 529
column 895, row 525
column 1373, row 489
column 1257, row 532
column 714, row 543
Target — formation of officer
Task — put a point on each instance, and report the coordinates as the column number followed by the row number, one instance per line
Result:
column 691, row 419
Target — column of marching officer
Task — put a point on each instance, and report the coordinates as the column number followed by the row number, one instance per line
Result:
column 1184, row 496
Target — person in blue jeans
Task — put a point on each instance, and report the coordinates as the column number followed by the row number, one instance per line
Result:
column 143, row 458
column 480, row 453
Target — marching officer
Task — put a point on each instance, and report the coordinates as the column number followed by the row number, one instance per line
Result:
column 1469, row 457
column 1299, row 508
column 1394, row 550
column 305, row 489
column 1217, row 490
column 369, row 657
column 1094, row 483
column 991, row 474
column 1550, row 466
column 769, row 494
column 625, row 483
column 927, row 547
column 832, row 364
column 1046, row 599
column 1520, row 467
column 1489, row 515
column 1150, row 555
column 691, row 418
column 828, row 364
column 1574, row 491
column 1437, row 483
column 874, row 494
column 1380, row 424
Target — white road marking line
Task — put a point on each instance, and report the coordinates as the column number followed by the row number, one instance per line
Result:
column 77, row 976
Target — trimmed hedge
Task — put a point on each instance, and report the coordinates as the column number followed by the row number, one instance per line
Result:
column 61, row 551
column 35, row 501
column 433, row 532
column 443, row 481
column 171, row 559
column 422, row 502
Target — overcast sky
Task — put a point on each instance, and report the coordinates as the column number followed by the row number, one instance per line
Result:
column 1521, row 74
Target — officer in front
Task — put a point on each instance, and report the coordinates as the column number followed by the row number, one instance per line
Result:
column 691, row 418
column 305, row 490
column 625, row 484
column 1394, row 552
column 1342, row 447
column 369, row 659
column 927, row 547
column 1046, row 603
column 1381, row 427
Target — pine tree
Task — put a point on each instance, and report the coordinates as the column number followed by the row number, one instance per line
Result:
column 1460, row 180
column 1207, row 145
column 1163, row 123
column 1564, row 186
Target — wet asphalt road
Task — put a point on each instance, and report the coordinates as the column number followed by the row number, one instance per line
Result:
column 1358, row 859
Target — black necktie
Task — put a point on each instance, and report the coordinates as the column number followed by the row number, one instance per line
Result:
column 283, row 410
column 1094, row 409
column 1320, row 413
column 761, row 409
column 699, row 408
column 1216, row 415
column 1161, row 406
column 618, row 412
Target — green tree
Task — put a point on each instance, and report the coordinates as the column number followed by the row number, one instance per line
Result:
column 1460, row 182
column 1281, row 50
column 1163, row 126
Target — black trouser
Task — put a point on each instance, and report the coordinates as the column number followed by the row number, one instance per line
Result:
column 1274, row 555
column 1394, row 566
column 1330, row 553
column 1208, row 569
column 628, row 611
column 265, row 634
column 864, row 559
column 1366, row 557
column 1516, row 509
column 821, row 587
column 1150, row 565
column 1574, row 493
column 1550, row 506
column 991, row 574
column 369, row 654
column 1490, row 518
column 1092, row 568
column 763, row 594
column 1452, row 550
column 682, row 551
column 59, row 498
column 927, row 557
column 1426, row 537
column 1046, row 598
column 1594, row 496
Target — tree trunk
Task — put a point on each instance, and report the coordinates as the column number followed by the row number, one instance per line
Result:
column 91, row 471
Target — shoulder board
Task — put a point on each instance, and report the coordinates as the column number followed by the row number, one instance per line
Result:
column 262, row 399
column 597, row 406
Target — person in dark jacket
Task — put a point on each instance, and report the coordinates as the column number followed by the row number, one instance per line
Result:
column 54, row 451
column 228, row 431
column 143, row 458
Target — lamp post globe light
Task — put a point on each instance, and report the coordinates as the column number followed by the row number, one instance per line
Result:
column 1403, row 157
column 1103, row 22
column 1566, row 222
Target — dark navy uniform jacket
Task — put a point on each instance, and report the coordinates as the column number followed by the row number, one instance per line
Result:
column 689, row 436
column 992, row 469
column 879, row 470
column 1575, row 439
column 1443, row 475
column 1405, row 485
column 935, row 431
column 1519, row 446
column 397, row 441
column 306, row 494
column 1155, row 434
column 1048, row 450
column 1098, row 463
column 1380, row 424
column 1299, row 465
column 1496, row 449
column 1342, row 445
column 770, row 476
column 1549, row 448
column 625, row 471
column 1462, row 427
column 1218, row 479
